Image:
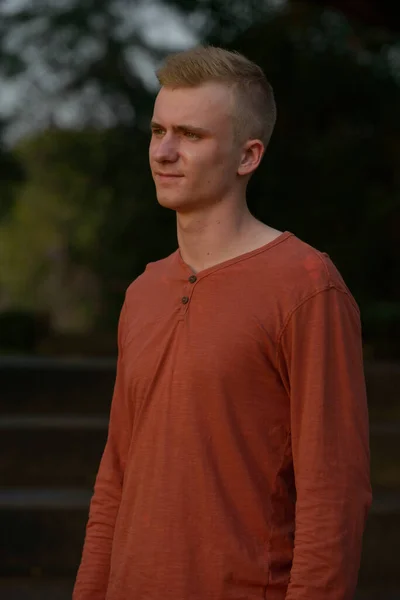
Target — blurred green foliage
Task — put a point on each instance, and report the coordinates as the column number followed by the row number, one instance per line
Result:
column 83, row 224
column 11, row 174
column 83, row 221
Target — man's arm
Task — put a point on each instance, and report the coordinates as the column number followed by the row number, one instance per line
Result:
column 92, row 579
column 320, row 356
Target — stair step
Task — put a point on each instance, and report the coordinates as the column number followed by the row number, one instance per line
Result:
column 387, row 428
column 36, row 588
column 56, row 386
column 384, row 502
column 383, row 385
column 50, row 385
column 53, row 427
column 385, row 455
column 45, row 422
column 381, row 548
column 45, row 539
column 30, row 362
column 65, row 450
column 381, row 593
column 61, row 455
column 42, row 498
column 100, row 422
column 45, row 529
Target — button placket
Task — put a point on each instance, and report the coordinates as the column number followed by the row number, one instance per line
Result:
column 185, row 299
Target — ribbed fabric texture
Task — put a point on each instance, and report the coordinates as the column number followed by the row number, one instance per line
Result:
column 237, row 460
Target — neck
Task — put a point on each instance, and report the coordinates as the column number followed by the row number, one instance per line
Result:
column 212, row 235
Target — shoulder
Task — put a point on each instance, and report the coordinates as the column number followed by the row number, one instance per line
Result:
column 152, row 275
column 304, row 271
column 310, row 266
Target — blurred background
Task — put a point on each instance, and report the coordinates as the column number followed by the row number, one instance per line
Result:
column 79, row 221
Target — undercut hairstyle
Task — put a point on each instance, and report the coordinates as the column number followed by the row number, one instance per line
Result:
column 255, row 109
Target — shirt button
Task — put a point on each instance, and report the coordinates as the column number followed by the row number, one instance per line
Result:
column 185, row 300
column 192, row 278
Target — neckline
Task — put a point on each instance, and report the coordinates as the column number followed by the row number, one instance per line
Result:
column 230, row 261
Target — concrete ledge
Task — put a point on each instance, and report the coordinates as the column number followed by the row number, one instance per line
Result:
column 36, row 588
column 385, row 503
column 70, row 422
column 50, row 362
column 44, row 532
column 98, row 422
column 38, row 499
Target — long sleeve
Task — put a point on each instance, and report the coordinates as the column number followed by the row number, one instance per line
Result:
column 92, row 578
column 320, row 357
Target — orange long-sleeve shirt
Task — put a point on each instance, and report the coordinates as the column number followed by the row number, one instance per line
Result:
column 237, row 459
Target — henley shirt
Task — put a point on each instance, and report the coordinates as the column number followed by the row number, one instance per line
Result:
column 237, row 460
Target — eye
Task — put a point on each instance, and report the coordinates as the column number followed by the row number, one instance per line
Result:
column 191, row 135
column 157, row 131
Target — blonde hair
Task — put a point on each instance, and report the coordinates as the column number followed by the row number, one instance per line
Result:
column 255, row 109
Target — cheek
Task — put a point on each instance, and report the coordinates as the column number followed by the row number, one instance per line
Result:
column 150, row 155
column 213, row 166
column 221, row 169
column 209, row 164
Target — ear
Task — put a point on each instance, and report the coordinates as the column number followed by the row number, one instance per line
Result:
column 252, row 153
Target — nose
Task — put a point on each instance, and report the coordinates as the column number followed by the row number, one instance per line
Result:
column 164, row 149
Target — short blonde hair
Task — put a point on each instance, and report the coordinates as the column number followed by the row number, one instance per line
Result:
column 254, row 98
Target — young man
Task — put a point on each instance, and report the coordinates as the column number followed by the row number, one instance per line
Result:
column 237, row 459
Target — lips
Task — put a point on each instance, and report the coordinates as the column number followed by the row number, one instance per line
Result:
column 166, row 175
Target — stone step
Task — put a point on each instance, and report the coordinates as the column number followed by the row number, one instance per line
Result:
column 44, row 533
column 385, row 455
column 65, row 450
column 380, row 593
column 99, row 422
column 37, row 385
column 381, row 548
column 36, row 588
column 60, row 451
column 64, row 422
column 44, row 498
column 54, row 385
column 39, row 588
column 383, row 387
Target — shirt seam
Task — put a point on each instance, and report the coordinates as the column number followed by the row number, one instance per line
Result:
column 343, row 289
column 286, row 447
column 320, row 256
column 326, row 288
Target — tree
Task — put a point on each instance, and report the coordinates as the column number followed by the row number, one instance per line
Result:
column 330, row 174
column 85, row 56
column 11, row 174
column 384, row 14
column 83, row 225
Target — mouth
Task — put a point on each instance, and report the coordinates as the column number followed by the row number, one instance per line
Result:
column 167, row 178
column 168, row 175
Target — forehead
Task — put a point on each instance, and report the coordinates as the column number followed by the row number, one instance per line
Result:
column 207, row 105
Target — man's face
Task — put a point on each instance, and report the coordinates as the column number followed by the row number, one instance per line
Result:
column 193, row 154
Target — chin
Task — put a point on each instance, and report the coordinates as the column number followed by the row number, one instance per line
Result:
column 172, row 202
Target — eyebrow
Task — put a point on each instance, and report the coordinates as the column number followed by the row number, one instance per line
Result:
column 180, row 128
